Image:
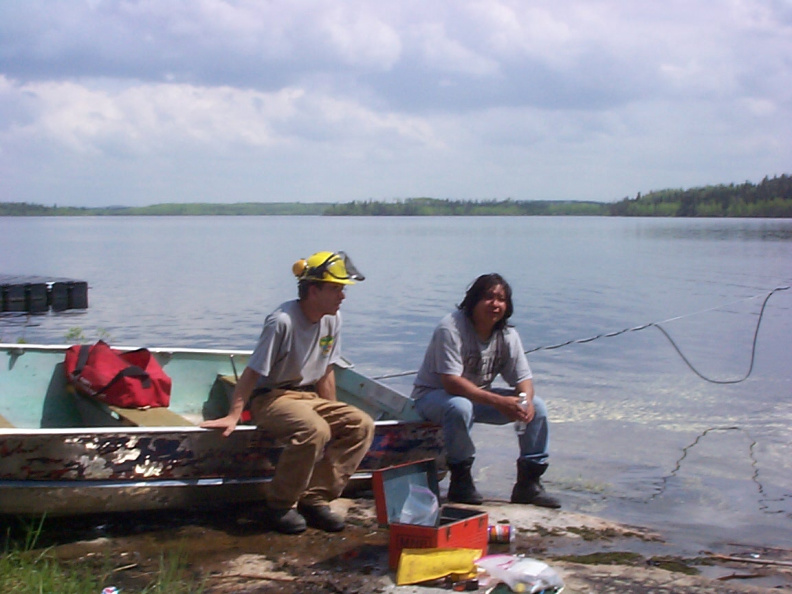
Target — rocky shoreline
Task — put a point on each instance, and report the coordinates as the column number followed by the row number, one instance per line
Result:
column 592, row 555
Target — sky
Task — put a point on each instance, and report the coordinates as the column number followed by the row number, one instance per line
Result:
column 151, row 101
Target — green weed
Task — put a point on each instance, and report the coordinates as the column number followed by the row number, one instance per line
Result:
column 24, row 569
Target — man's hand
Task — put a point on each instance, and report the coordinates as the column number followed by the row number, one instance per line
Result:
column 510, row 407
column 227, row 424
column 244, row 387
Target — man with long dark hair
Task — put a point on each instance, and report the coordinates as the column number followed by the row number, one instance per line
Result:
column 468, row 350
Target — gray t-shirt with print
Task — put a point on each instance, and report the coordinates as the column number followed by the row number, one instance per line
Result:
column 292, row 351
column 455, row 349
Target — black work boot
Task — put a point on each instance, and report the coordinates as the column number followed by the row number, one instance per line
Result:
column 462, row 489
column 321, row 517
column 285, row 521
column 529, row 489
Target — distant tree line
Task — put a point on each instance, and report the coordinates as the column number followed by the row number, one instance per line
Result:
column 474, row 208
column 172, row 209
column 237, row 209
column 770, row 198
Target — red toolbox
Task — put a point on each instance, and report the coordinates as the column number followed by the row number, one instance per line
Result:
column 456, row 527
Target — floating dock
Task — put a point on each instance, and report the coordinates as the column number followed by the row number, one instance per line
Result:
column 37, row 294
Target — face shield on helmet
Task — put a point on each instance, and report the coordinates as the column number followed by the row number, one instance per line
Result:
column 328, row 267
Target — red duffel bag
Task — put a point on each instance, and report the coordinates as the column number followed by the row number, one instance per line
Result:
column 130, row 379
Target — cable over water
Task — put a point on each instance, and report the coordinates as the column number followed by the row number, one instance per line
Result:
column 764, row 500
column 661, row 329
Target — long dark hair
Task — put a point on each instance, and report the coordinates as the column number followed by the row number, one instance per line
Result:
column 477, row 291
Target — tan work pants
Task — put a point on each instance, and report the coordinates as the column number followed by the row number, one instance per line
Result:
column 324, row 442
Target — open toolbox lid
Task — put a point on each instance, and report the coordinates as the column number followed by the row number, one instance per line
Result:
column 391, row 487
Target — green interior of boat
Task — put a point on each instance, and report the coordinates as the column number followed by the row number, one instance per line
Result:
column 34, row 392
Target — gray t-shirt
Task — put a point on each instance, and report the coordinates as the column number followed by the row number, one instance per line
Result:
column 455, row 349
column 292, row 351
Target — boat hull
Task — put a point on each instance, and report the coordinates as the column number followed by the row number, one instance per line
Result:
column 77, row 472
column 66, row 470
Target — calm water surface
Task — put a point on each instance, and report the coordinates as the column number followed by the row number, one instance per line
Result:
column 637, row 436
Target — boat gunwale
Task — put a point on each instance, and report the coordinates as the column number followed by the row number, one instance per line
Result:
column 143, row 429
column 21, row 348
column 8, row 346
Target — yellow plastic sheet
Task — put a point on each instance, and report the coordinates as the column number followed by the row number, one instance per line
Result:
column 421, row 565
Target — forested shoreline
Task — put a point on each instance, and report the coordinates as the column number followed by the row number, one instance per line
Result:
column 771, row 198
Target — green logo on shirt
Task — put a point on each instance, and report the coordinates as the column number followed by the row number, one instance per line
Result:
column 326, row 344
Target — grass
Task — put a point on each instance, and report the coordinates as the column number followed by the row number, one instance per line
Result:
column 24, row 569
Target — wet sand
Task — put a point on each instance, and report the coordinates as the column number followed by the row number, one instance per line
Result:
column 231, row 555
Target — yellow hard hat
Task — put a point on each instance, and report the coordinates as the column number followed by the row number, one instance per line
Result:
column 328, row 267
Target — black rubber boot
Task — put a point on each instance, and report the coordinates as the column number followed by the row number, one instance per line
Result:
column 321, row 517
column 529, row 489
column 462, row 489
column 285, row 521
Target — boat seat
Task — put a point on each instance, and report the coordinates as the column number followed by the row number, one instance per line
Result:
column 151, row 417
column 5, row 423
column 95, row 413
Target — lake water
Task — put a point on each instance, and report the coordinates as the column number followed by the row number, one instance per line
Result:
column 637, row 436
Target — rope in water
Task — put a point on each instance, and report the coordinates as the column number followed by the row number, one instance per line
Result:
column 665, row 333
column 766, row 502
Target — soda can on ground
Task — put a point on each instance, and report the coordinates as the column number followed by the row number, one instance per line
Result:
column 500, row 533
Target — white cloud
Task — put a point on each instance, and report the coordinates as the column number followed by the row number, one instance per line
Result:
column 150, row 118
column 324, row 99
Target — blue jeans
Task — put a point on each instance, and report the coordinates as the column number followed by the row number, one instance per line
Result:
column 456, row 415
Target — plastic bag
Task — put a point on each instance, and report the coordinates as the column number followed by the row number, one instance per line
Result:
column 420, row 507
column 522, row 574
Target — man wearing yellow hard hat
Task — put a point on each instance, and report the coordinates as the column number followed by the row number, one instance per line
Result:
column 289, row 388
